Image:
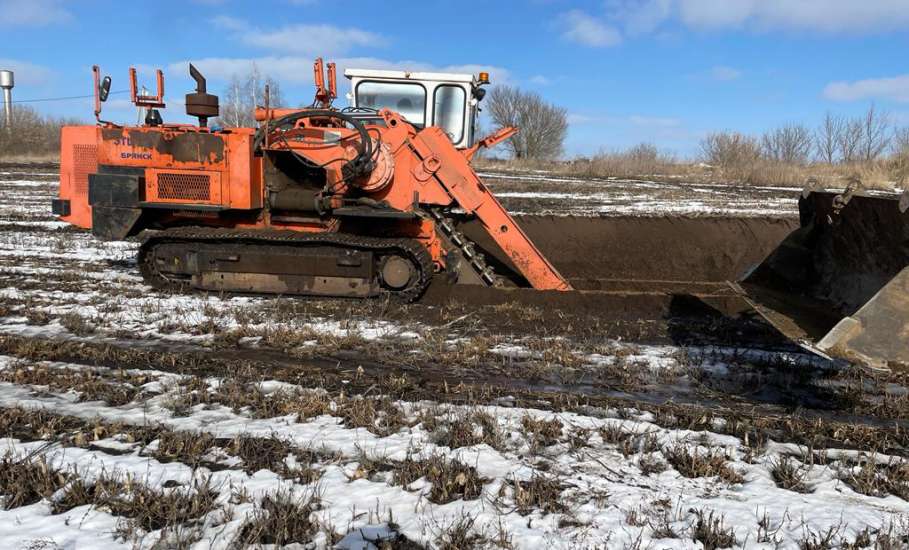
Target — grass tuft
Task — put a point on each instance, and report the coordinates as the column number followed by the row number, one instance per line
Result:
column 693, row 464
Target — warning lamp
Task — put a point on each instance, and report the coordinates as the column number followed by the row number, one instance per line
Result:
column 484, row 78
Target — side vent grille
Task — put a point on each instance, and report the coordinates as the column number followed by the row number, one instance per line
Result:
column 85, row 162
column 181, row 186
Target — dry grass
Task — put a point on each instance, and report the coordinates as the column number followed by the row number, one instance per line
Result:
column 645, row 443
column 151, row 509
column 271, row 453
column 692, row 464
column 76, row 324
column 27, row 479
column 790, row 474
column 877, row 480
column 541, row 433
column 465, row 429
column 460, row 534
column 451, row 480
column 280, row 519
column 116, row 388
column 79, row 492
column 613, row 433
column 190, row 448
column 712, row 532
column 50, row 157
column 754, row 430
column 183, row 446
column 379, row 415
column 541, row 492
column 241, row 395
column 747, row 170
column 37, row 317
column 41, row 424
column 651, row 464
column 32, row 425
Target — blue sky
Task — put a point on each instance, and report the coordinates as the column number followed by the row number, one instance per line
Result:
column 662, row 71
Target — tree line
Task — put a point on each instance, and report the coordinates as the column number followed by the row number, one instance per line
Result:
column 32, row 134
column 866, row 138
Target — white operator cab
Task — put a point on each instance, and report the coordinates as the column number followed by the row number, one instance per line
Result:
column 447, row 100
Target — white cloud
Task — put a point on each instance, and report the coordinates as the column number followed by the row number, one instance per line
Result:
column 832, row 16
column 894, row 88
column 640, row 16
column 310, row 39
column 724, row 73
column 587, row 30
column 578, row 118
column 654, row 122
column 26, row 73
column 301, row 39
column 33, row 13
column 539, row 80
column 231, row 23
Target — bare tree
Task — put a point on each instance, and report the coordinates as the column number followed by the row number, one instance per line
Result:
column 900, row 142
column 244, row 94
column 849, row 140
column 542, row 126
column 645, row 154
column 790, row 143
column 875, row 134
column 730, row 150
column 827, row 137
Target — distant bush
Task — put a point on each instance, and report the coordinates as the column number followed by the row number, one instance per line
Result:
column 32, row 134
column 731, row 152
column 791, row 144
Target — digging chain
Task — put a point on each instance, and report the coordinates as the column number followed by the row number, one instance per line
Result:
column 409, row 248
column 468, row 249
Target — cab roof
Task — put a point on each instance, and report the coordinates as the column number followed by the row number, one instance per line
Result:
column 409, row 75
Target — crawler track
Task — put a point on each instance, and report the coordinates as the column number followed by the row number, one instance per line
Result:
column 229, row 241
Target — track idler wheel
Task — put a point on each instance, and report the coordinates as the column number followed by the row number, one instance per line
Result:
column 397, row 273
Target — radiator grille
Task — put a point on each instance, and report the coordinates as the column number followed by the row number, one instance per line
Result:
column 85, row 162
column 188, row 187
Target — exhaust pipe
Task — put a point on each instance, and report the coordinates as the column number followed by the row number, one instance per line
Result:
column 201, row 104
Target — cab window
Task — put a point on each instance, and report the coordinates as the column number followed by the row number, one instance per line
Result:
column 448, row 110
column 408, row 99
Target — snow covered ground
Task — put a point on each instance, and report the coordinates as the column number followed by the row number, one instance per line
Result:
column 603, row 479
column 255, row 457
column 535, row 193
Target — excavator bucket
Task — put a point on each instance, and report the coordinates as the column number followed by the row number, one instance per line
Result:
column 839, row 284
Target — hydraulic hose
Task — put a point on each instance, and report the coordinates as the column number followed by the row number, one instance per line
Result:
column 362, row 163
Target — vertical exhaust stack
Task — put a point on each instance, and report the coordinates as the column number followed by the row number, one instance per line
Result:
column 6, row 83
column 201, row 104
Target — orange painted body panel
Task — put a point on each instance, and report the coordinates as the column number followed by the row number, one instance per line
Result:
column 78, row 159
column 175, row 165
column 453, row 170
